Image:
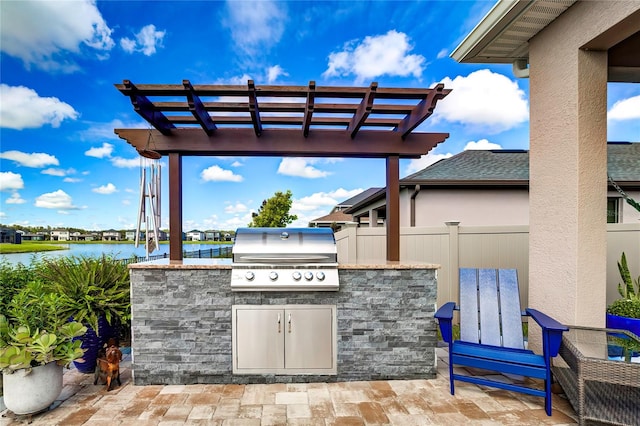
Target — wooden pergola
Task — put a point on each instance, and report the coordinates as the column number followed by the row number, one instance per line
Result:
column 286, row 121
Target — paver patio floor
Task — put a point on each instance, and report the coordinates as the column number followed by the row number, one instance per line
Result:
column 393, row 402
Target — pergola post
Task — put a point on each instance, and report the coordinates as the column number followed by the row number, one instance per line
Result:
column 175, row 206
column 393, row 208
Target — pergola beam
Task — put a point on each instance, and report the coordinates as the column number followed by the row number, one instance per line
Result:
column 253, row 108
column 422, row 111
column 143, row 106
column 286, row 142
column 363, row 111
column 308, row 110
column 198, row 110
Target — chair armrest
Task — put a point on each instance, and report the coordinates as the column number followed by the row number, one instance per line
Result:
column 551, row 331
column 444, row 315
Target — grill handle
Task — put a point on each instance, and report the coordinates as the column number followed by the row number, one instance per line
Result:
column 282, row 259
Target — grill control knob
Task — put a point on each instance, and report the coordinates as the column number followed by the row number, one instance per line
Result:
column 249, row 276
column 296, row 275
column 320, row 276
column 308, row 276
column 273, row 275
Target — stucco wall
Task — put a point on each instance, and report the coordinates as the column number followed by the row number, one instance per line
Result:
column 568, row 132
column 471, row 207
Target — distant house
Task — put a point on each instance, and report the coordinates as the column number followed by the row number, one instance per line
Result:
column 29, row 236
column 162, row 235
column 111, row 235
column 483, row 188
column 131, row 235
column 337, row 218
column 60, row 235
column 10, row 236
column 212, row 235
column 195, row 235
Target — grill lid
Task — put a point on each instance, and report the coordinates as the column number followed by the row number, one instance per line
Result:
column 284, row 245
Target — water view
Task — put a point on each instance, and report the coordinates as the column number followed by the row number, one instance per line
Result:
column 119, row 251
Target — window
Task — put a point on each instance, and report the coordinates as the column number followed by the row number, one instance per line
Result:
column 613, row 210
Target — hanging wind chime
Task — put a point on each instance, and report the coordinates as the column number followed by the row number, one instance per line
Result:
column 149, row 207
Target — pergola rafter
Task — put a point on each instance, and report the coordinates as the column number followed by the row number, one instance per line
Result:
column 289, row 121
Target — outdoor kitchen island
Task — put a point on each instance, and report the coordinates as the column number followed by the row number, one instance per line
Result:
column 183, row 325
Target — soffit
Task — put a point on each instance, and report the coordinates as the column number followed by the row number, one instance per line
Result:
column 503, row 34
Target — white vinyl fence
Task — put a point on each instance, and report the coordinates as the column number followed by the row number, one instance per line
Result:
column 453, row 246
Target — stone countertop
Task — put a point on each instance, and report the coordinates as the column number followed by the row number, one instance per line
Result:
column 227, row 264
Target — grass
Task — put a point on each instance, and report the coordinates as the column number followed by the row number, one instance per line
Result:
column 29, row 247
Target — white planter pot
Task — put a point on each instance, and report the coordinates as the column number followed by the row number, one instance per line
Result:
column 29, row 393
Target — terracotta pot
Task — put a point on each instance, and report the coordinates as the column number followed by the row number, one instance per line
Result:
column 29, row 393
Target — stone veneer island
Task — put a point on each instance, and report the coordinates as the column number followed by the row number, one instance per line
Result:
column 182, row 322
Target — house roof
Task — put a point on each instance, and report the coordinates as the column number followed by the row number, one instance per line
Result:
column 357, row 198
column 507, row 168
column 338, row 216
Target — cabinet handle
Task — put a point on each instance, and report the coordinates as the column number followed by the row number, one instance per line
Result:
column 278, row 323
column 289, row 323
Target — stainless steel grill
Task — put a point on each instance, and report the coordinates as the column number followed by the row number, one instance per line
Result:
column 275, row 259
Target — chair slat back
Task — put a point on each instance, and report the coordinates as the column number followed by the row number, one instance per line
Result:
column 490, row 307
column 510, row 311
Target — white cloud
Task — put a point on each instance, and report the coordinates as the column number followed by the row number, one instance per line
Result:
column 100, row 152
column 105, row 189
column 431, row 158
column 35, row 159
column 15, row 199
column 485, row 101
column 301, row 167
column 375, row 56
column 482, row 144
column 125, row 163
column 236, row 164
column 71, row 180
column 323, row 200
column 256, row 26
column 146, row 41
column 59, row 200
column 10, row 181
column 274, row 72
column 58, row 172
column 22, row 108
column 626, row 109
column 237, row 208
column 27, row 32
column 442, row 53
column 218, row 174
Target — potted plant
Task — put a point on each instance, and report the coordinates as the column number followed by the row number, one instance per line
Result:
column 95, row 291
column 35, row 344
column 624, row 313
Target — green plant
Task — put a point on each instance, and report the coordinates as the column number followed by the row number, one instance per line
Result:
column 90, row 288
column 629, row 289
column 34, row 333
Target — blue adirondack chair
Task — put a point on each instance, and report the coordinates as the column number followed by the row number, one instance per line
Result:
column 491, row 332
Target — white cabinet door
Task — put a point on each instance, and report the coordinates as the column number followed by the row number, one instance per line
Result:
column 259, row 340
column 309, row 338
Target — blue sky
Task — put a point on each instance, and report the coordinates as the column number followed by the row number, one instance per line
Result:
column 62, row 165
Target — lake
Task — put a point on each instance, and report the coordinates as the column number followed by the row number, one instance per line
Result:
column 119, row 251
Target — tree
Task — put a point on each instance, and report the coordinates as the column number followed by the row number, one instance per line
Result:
column 274, row 212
